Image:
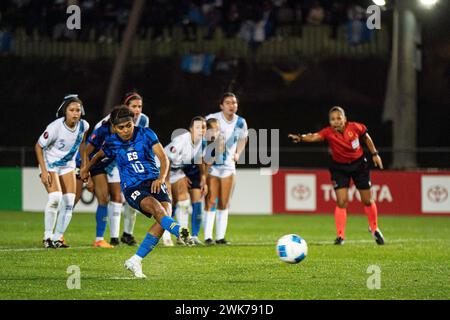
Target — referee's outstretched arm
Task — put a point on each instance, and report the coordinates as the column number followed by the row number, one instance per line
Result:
column 310, row 137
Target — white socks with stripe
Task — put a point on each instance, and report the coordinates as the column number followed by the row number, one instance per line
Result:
column 51, row 212
column 65, row 215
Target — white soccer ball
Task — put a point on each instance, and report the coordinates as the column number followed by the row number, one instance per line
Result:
column 292, row 248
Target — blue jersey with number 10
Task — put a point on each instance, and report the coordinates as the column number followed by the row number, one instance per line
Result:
column 135, row 158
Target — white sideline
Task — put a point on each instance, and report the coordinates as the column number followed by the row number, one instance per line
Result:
column 256, row 244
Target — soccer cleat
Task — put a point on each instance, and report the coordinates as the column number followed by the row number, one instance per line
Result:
column 48, row 243
column 114, row 242
column 196, row 241
column 339, row 241
column 168, row 242
column 180, row 242
column 222, row 241
column 128, row 239
column 209, row 242
column 64, row 243
column 186, row 237
column 102, row 244
column 135, row 267
column 379, row 239
column 57, row 244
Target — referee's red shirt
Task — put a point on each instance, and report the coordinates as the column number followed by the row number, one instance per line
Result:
column 345, row 147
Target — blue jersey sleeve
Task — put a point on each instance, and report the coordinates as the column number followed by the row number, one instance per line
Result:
column 151, row 137
column 98, row 137
column 108, row 148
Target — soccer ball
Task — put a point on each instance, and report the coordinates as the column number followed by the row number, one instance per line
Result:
column 292, row 248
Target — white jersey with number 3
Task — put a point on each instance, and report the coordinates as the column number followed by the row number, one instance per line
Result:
column 60, row 143
column 232, row 131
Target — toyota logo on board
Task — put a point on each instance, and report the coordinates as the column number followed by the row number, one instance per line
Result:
column 437, row 194
column 301, row 192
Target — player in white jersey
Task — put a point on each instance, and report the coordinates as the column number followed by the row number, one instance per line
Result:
column 187, row 176
column 234, row 131
column 56, row 150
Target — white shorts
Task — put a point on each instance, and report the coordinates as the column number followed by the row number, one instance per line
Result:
column 221, row 172
column 176, row 175
column 60, row 171
column 112, row 173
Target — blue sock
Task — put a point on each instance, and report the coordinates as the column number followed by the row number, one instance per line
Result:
column 171, row 225
column 101, row 217
column 147, row 245
column 196, row 218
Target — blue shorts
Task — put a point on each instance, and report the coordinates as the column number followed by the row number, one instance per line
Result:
column 134, row 195
column 98, row 168
column 193, row 173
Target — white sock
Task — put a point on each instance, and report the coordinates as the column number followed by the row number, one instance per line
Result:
column 166, row 236
column 99, row 238
column 114, row 210
column 51, row 211
column 221, row 224
column 65, row 215
column 209, row 224
column 136, row 258
column 129, row 219
column 183, row 212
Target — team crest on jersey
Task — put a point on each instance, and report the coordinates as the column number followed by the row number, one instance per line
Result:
column 45, row 135
column 93, row 136
column 350, row 134
column 173, row 149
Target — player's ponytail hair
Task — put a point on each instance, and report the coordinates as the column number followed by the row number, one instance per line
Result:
column 338, row 109
column 130, row 96
column 120, row 114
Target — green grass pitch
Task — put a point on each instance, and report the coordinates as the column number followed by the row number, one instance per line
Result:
column 414, row 263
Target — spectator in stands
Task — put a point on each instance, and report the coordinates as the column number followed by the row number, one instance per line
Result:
column 285, row 17
column 316, row 14
column 337, row 17
column 232, row 22
column 213, row 17
column 193, row 18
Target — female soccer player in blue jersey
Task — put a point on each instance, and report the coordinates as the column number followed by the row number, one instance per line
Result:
column 142, row 181
column 135, row 102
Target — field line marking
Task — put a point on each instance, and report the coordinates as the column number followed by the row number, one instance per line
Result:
column 312, row 242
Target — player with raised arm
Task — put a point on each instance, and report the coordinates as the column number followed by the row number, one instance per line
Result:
column 142, row 181
column 187, row 176
column 233, row 129
column 348, row 162
column 56, row 150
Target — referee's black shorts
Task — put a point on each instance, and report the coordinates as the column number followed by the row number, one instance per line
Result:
column 358, row 171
